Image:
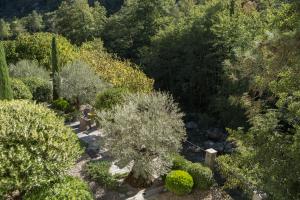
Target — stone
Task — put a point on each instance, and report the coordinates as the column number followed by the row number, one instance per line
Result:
column 209, row 144
column 130, row 193
column 228, row 147
column 219, row 146
column 93, row 153
column 191, row 125
column 216, row 134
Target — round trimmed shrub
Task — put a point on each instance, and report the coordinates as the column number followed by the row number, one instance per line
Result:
column 179, row 182
column 41, row 90
column 180, row 163
column 36, row 147
column 61, row 104
column 20, row 90
column 109, row 98
column 68, row 188
column 202, row 176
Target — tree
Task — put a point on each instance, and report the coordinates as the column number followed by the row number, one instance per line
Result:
column 5, row 87
column 145, row 129
column 78, row 21
column 267, row 156
column 17, row 27
column 35, row 22
column 55, row 69
column 37, row 46
column 79, row 83
column 4, row 30
column 183, row 59
column 132, row 27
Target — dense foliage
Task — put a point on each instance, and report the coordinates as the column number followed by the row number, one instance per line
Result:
column 36, row 148
column 130, row 29
column 20, row 90
column 179, row 182
column 41, row 90
column 38, row 47
column 146, row 129
column 78, row 21
column 67, row 188
column 99, row 171
column 111, row 69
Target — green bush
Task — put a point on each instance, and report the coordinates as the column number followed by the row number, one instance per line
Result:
column 20, row 90
column 179, row 182
column 61, row 104
column 180, row 163
column 41, row 90
column 109, row 98
column 67, row 188
column 99, row 171
column 202, row 176
column 36, row 147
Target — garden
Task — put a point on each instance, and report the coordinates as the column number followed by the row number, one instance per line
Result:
column 69, row 130
column 149, row 99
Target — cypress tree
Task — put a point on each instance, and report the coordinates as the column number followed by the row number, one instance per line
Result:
column 5, row 87
column 55, row 69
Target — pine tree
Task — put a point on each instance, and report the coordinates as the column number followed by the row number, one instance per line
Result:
column 5, row 87
column 55, row 69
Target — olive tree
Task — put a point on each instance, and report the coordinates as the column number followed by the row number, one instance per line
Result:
column 79, row 83
column 145, row 129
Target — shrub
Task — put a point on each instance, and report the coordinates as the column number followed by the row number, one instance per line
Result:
column 61, row 104
column 99, row 171
column 146, row 127
column 41, row 90
column 20, row 90
column 67, row 188
column 79, row 83
column 110, row 98
column 27, row 68
column 202, row 176
column 38, row 47
column 113, row 70
column 180, row 163
column 179, row 182
column 35, row 149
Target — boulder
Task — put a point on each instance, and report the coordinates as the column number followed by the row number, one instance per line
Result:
column 216, row 134
column 191, row 125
